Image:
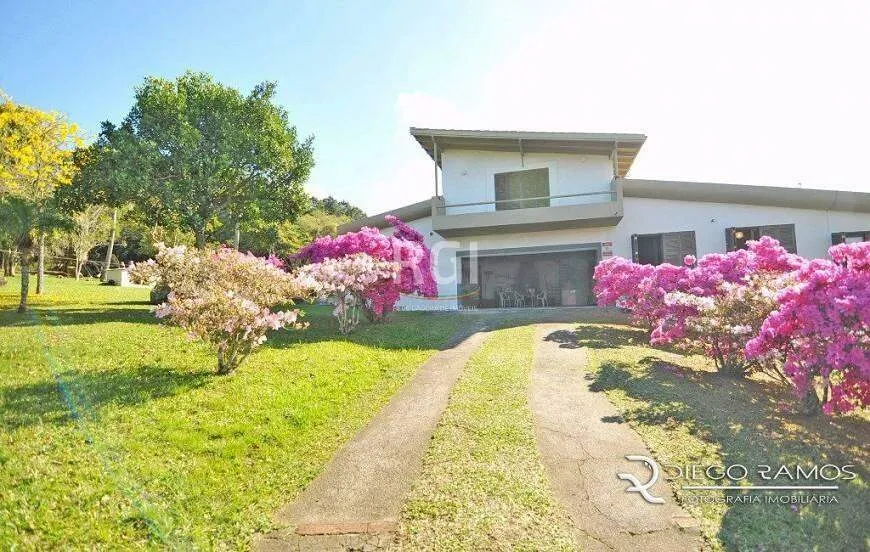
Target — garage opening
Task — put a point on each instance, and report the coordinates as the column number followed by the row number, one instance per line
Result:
column 546, row 279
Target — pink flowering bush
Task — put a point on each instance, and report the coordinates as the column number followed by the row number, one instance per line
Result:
column 718, row 325
column 709, row 306
column 822, row 329
column 760, row 309
column 405, row 247
column 346, row 281
column 222, row 297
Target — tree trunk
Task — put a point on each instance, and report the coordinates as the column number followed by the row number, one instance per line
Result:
column 40, row 265
column 200, row 238
column 78, row 266
column 7, row 263
column 104, row 275
column 25, row 280
column 238, row 236
column 809, row 404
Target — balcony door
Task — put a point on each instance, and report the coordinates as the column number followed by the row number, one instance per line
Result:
column 514, row 189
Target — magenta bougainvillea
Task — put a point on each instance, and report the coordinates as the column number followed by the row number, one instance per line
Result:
column 760, row 308
column 405, row 246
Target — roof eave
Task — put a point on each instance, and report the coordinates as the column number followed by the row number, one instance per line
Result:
column 624, row 146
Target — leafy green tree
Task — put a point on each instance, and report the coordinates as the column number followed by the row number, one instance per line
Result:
column 308, row 227
column 88, row 227
column 339, row 208
column 196, row 155
column 103, row 179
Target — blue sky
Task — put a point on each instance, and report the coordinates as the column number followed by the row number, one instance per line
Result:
column 738, row 93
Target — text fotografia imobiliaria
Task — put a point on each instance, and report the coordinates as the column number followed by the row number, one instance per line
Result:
column 758, row 484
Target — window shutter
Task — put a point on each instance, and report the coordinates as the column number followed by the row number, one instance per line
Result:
column 635, row 255
column 729, row 239
column 784, row 233
column 676, row 245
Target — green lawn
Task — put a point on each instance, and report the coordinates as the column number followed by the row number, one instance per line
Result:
column 483, row 486
column 688, row 414
column 116, row 434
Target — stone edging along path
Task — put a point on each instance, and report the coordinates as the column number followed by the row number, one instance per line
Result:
column 357, row 499
column 583, row 446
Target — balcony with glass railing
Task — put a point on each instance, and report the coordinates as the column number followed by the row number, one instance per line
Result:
column 551, row 212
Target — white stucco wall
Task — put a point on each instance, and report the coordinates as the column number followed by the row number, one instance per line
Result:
column 813, row 230
column 468, row 176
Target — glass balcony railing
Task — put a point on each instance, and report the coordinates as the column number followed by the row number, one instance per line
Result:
column 578, row 210
column 525, row 203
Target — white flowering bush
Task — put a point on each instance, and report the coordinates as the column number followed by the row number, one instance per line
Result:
column 719, row 325
column 345, row 281
column 222, row 297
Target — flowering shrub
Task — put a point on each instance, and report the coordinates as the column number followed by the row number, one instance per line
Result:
column 405, row 247
column 761, row 308
column 346, row 281
column 718, row 326
column 222, row 297
column 822, row 328
column 722, row 300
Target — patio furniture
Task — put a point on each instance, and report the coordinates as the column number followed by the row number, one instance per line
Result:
column 542, row 298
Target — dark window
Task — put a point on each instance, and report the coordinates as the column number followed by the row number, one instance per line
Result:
column 669, row 247
column 736, row 238
column 512, row 189
column 850, row 237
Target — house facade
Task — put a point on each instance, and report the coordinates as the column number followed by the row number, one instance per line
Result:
column 522, row 218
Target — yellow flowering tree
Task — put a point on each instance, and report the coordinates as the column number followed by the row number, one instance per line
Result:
column 36, row 158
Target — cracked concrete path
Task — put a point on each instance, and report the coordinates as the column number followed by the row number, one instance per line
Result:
column 583, row 444
column 356, row 501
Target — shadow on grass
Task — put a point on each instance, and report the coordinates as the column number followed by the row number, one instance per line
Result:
column 745, row 421
column 599, row 337
column 403, row 331
column 51, row 316
column 432, row 330
column 85, row 393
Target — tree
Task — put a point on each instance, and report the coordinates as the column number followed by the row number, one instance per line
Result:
column 88, row 228
column 294, row 235
column 338, row 208
column 195, row 154
column 102, row 180
column 36, row 158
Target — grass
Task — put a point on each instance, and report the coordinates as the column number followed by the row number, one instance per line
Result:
column 688, row 414
column 483, row 486
column 115, row 433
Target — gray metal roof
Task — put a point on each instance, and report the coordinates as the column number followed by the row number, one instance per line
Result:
column 742, row 194
column 626, row 146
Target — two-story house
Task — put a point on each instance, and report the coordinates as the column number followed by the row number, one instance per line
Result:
column 522, row 218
